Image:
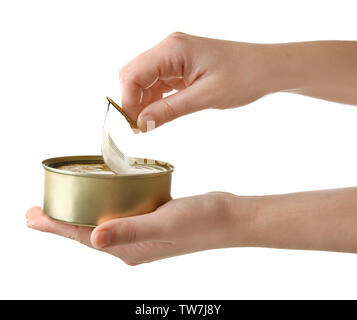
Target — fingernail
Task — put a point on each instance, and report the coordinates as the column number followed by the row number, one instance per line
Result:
column 102, row 238
column 146, row 123
column 135, row 130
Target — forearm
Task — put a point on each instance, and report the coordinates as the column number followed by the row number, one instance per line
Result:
column 321, row 69
column 317, row 220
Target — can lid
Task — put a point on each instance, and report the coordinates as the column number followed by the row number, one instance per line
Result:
column 53, row 164
column 132, row 123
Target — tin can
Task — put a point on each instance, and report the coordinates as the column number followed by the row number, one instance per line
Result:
column 89, row 199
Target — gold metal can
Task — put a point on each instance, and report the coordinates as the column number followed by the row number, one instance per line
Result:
column 91, row 198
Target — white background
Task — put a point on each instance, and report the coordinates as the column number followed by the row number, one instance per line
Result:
column 58, row 62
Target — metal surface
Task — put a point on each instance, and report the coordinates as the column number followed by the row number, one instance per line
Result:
column 89, row 199
column 132, row 123
column 114, row 158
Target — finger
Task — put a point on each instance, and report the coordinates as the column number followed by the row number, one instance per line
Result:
column 150, row 95
column 131, row 98
column 161, row 62
column 128, row 230
column 156, row 92
column 37, row 219
column 191, row 99
column 174, row 83
column 132, row 254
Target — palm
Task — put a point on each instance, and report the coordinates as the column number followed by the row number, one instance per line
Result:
column 180, row 226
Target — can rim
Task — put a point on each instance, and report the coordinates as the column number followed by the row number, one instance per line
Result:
column 47, row 165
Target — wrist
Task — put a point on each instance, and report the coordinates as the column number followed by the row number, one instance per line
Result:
column 284, row 68
column 262, row 221
column 243, row 214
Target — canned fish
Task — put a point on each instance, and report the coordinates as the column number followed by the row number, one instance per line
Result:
column 82, row 190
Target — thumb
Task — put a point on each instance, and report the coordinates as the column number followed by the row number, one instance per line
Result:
column 191, row 99
column 126, row 230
